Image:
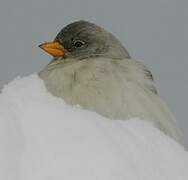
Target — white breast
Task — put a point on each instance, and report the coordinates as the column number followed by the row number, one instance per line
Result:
column 117, row 89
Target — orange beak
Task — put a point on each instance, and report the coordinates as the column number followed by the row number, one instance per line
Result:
column 55, row 49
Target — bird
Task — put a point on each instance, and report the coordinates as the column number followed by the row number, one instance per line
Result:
column 91, row 68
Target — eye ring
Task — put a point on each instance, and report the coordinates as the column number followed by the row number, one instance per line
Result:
column 78, row 43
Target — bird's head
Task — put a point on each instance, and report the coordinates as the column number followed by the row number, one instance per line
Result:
column 81, row 40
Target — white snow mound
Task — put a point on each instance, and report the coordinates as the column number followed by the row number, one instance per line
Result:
column 42, row 138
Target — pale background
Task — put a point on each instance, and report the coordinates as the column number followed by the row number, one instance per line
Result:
column 153, row 31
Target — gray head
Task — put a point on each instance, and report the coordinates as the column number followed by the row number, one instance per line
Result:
column 82, row 39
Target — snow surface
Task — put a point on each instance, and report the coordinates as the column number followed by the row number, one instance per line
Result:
column 42, row 138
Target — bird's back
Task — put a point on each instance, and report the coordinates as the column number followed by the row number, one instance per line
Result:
column 117, row 89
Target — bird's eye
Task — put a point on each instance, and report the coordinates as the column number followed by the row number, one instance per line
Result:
column 78, row 43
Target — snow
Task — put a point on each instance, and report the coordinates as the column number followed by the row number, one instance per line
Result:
column 42, row 138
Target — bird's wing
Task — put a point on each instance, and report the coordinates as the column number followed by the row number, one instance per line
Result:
column 141, row 81
column 138, row 73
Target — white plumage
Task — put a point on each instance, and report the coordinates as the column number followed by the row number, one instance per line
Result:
column 117, row 89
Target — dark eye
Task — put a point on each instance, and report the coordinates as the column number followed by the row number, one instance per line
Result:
column 78, row 43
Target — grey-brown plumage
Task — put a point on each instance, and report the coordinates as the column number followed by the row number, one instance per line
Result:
column 97, row 73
